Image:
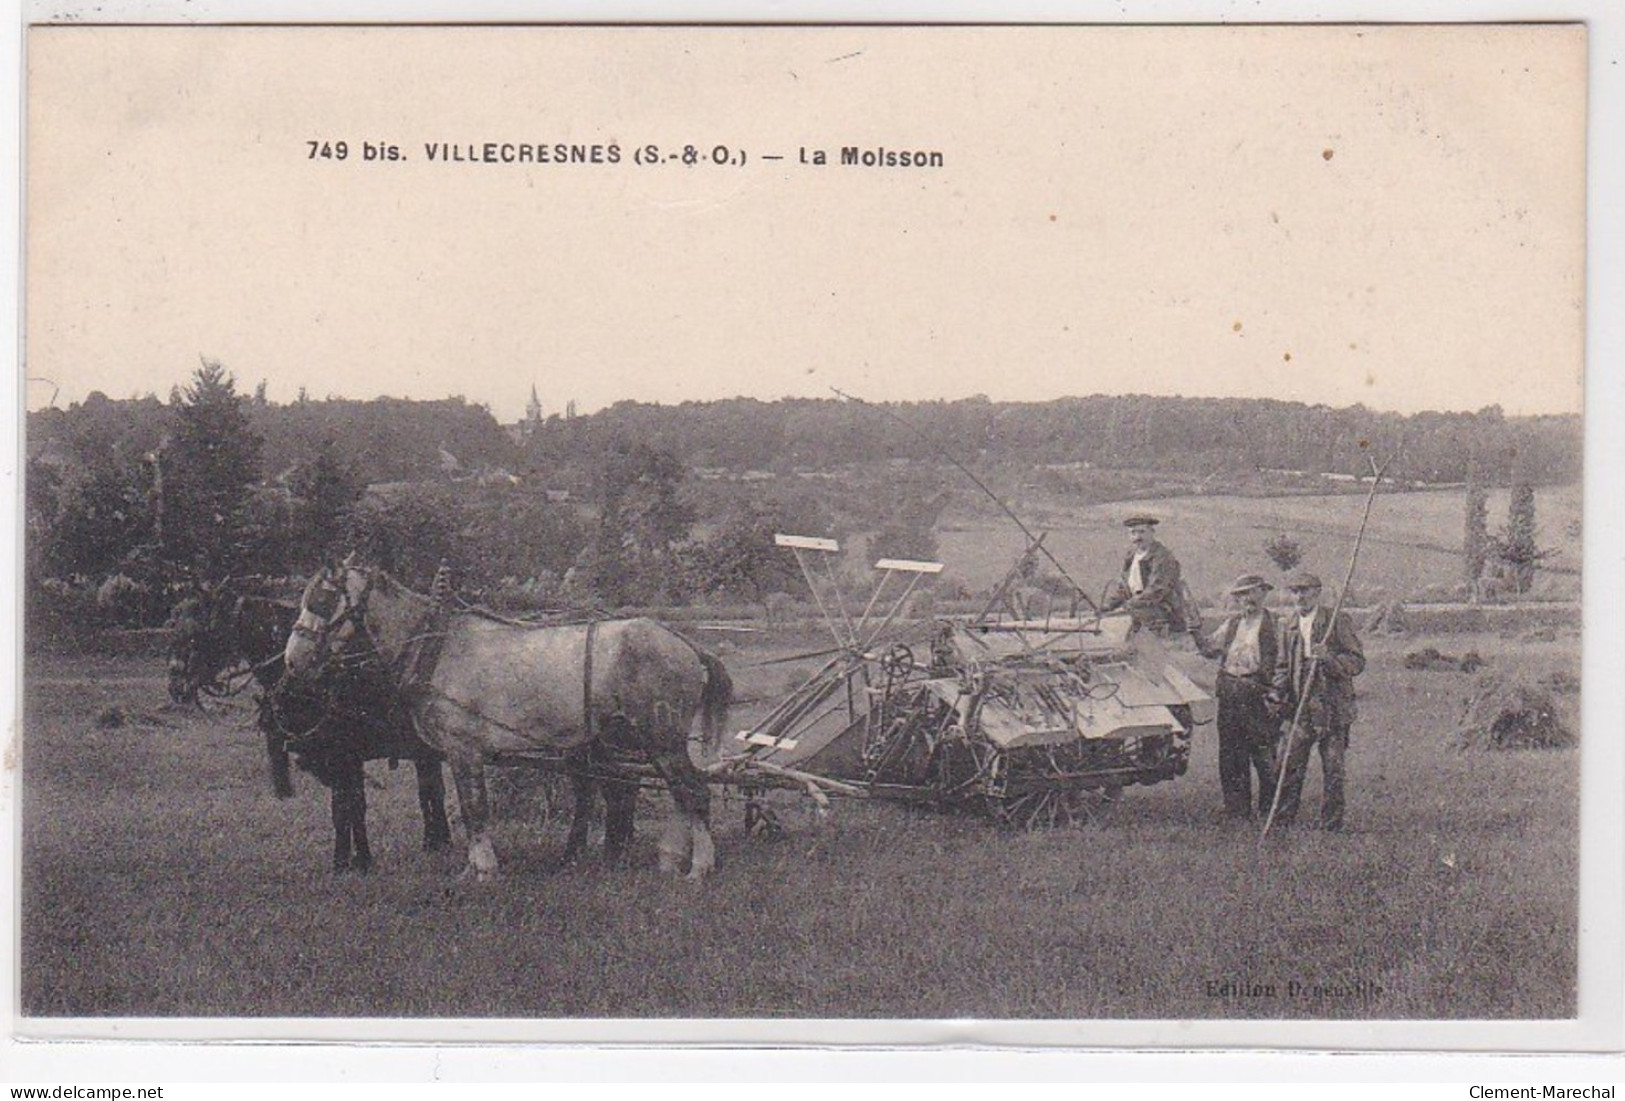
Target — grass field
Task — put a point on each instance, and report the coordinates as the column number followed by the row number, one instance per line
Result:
column 161, row 878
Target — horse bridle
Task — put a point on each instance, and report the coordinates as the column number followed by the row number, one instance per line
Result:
column 355, row 610
column 321, row 637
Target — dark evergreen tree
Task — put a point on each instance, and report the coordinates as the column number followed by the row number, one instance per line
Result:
column 911, row 530
column 205, row 474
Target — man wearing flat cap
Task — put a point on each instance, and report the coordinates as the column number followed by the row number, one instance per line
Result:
column 1149, row 590
column 1246, row 645
column 1320, row 657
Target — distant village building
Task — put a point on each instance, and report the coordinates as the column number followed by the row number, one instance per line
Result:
column 532, row 423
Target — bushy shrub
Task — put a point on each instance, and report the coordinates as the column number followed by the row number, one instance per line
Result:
column 1284, row 551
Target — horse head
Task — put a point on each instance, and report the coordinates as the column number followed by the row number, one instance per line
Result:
column 332, row 613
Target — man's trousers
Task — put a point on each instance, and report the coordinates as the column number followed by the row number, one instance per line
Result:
column 1246, row 744
column 1334, row 744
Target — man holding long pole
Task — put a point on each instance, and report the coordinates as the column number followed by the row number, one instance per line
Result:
column 1320, row 655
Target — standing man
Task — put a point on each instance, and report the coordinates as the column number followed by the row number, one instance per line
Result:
column 1322, row 655
column 1150, row 589
column 1246, row 644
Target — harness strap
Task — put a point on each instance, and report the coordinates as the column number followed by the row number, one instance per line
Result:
column 586, row 681
column 422, row 653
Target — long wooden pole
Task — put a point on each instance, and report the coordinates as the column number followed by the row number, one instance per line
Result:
column 1314, row 662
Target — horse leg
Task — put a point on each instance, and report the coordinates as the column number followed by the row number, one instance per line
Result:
column 582, row 785
column 688, row 834
column 469, row 776
column 620, row 807
column 340, row 801
column 677, row 838
column 358, row 818
column 432, row 802
column 350, row 848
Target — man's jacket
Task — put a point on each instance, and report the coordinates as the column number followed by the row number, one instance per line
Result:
column 1160, row 602
column 1331, row 699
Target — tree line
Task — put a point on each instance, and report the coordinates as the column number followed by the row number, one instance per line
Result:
column 641, row 504
column 1190, row 435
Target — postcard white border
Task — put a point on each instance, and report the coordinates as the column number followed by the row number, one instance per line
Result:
column 1111, row 1049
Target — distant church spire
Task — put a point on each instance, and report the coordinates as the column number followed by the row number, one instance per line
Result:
column 533, row 407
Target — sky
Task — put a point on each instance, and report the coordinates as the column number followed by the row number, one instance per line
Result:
column 1334, row 214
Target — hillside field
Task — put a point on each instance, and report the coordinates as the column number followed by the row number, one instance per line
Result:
column 1413, row 540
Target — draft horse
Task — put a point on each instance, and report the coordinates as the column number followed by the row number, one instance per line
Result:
column 223, row 640
column 599, row 694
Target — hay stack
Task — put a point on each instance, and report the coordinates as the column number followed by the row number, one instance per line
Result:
column 1389, row 618
column 1429, row 658
column 1517, row 714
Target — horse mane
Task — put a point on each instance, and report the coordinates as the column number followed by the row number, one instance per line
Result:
column 390, row 585
column 565, row 617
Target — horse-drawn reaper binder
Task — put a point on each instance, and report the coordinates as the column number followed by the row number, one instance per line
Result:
column 1034, row 722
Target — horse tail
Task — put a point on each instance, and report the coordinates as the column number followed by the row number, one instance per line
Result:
column 714, row 699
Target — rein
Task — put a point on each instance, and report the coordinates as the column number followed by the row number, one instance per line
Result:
column 226, row 684
column 409, row 672
column 405, row 675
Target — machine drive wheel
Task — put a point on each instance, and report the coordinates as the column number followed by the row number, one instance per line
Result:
column 1043, row 810
column 898, row 662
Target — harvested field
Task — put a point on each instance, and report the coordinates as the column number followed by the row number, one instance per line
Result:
column 161, row 878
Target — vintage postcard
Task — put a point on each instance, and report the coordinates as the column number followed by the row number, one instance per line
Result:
column 1052, row 535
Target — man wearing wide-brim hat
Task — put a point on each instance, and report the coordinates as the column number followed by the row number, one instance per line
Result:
column 1150, row 588
column 1246, row 645
column 1320, row 657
